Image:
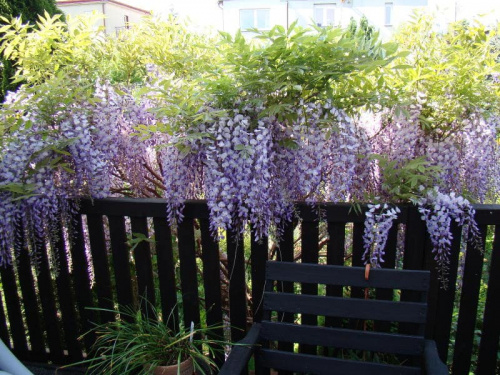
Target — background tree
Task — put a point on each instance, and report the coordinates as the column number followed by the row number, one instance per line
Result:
column 28, row 10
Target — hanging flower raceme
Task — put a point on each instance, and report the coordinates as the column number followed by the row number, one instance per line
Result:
column 252, row 171
column 61, row 154
column 379, row 221
column 439, row 211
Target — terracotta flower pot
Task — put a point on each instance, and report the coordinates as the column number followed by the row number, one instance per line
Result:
column 186, row 368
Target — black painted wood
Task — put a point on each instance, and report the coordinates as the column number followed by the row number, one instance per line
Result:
column 488, row 349
column 166, row 273
column 65, row 295
column 258, row 257
column 310, row 249
column 31, row 305
column 140, row 207
column 121, row 261
column 14, row 312
column 48, row 302
column 306, row 363
column 468, row 308
column 344, row 338
column 446, row 299
column 339, row 275
column 285, row 253
column 357, row 255
column 435, row 285
column 413, row 257
column 412, row 312
column 81, row 281
column 335, row 256
column 100, row 263
column 188, row 272
column 143, row 263
column 211, row 272
column 335, row 212
column 237, row 285
column 387, row 294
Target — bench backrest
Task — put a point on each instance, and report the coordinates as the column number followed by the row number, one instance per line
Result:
column 331, row 327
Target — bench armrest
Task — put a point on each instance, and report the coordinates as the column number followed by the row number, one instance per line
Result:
column 241, row 353
column 433, row 364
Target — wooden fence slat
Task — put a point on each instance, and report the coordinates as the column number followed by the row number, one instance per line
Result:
column 140, row 207
column 14, row 312
column 101, row 267
column 48, row 301
column 211, row 273
column 310, row 253
column 237, row 285
column 435, row 284
column 335, row 256
column 81, row 281
column 413, row 258
column 31, row 306
column 258, row 258
column 166, row 273
column 65, row 296
column 468, row 308
column 121, row 261
column 389, row 262
column 143, row 263
column 188, row 272
column 357, row 261
column 446, row 299
column 285, row 253
column 488, row 348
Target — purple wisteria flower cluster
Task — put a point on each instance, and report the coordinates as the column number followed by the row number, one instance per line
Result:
column 251, row 169
column 439, row 211
column 379, row 220
column 467, row 158
column 63, row 153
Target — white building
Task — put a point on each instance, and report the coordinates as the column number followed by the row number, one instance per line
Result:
column 116, row 15
column 385, row 15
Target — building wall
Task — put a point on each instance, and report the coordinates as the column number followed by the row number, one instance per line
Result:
column 114, row 14
column 284, row 12
column 115, row 17
column 232, row 9
column 74, row 10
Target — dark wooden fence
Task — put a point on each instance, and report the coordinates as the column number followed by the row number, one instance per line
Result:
column 42, row 314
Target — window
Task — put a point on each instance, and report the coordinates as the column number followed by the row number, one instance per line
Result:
column 324, row 14
column 388, row 14
column 127, row 23
column 255, row 18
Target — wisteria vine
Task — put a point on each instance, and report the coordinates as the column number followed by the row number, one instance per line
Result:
column 250, row 167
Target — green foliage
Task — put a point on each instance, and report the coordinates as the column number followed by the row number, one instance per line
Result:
column 405, row 182
column 287, row 67
column 142, row 337
column 362, row 30
column 448, row 74
column 28, row 11
column 44, row 50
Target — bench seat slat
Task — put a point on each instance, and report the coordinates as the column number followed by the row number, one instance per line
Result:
column 408, row 312
column 307, row 363
column 347, row 276
column 343, row 338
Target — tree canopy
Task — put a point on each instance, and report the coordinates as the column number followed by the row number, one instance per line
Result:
column 28, row 11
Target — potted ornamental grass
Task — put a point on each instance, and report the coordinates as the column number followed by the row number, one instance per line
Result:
column 141, row 342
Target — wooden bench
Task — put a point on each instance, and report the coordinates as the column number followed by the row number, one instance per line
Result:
column 344, row 345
